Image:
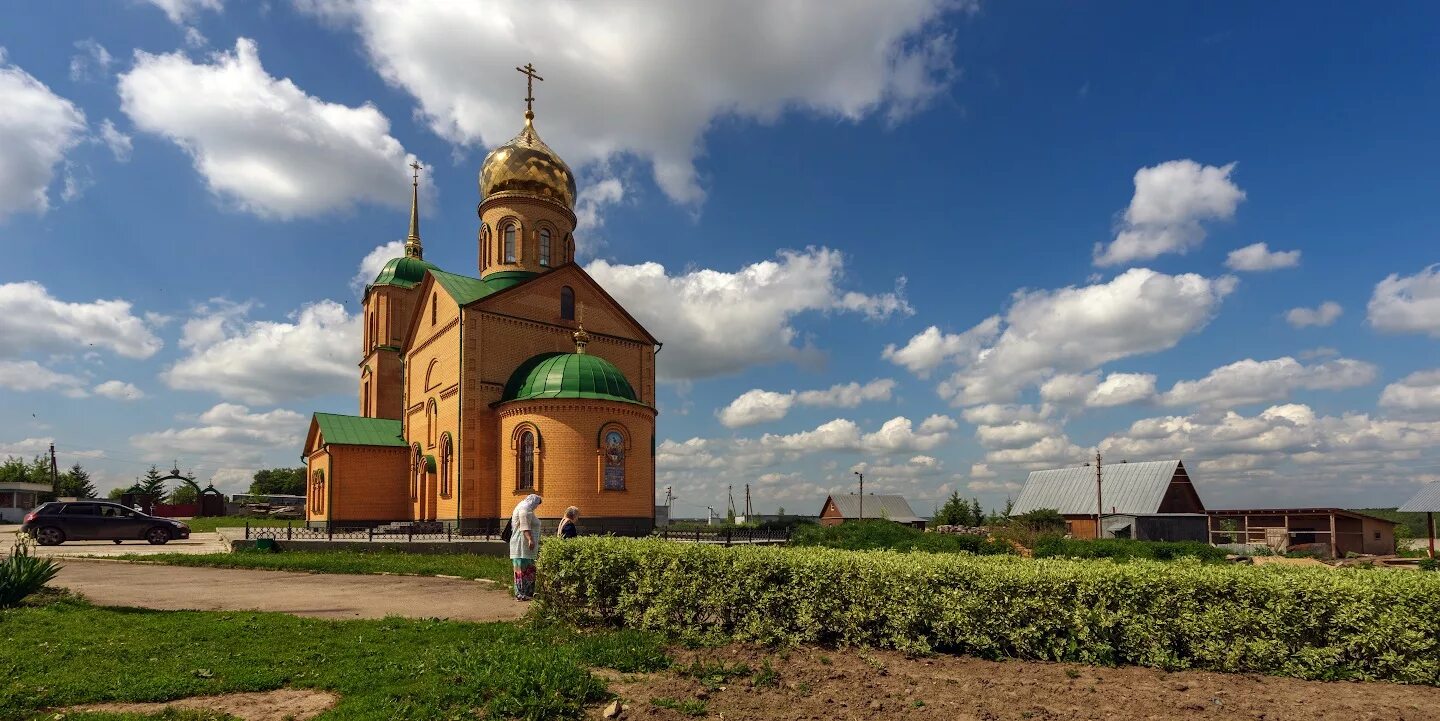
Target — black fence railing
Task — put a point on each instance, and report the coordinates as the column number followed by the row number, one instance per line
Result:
column 401, row 531
column 726, row 537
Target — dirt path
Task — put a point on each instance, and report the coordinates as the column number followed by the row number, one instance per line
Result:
column 850, row 684
column 110, row 583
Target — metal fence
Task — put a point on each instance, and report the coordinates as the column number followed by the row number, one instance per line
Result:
column 727, row 537
column 393, row 532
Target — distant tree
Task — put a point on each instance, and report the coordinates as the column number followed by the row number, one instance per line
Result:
column 116, row 492
column 1041, row 519
column 184, row 493
column 977, row 514
column 1009, row 506
column 151, row 484
column 14, row 470
column 279, row 482
column 76, row 483
column 781, row 513
column 953, row 513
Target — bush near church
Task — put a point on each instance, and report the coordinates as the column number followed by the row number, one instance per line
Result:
column 1304, row 622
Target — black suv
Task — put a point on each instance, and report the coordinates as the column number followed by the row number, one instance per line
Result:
column 55, row 523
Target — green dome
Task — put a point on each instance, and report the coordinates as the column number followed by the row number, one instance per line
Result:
column 404, row 272
column 568, row 375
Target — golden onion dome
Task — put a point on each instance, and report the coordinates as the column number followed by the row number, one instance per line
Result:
column 527, row 166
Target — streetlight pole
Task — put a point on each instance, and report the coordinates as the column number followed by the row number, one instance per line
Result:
column 862, row 494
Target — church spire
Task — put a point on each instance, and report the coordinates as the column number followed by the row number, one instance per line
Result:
column 412, row 241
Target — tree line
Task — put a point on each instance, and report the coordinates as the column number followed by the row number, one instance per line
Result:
column 959, row 512
column 76, row 482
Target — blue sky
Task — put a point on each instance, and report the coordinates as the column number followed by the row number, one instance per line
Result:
column 781, row 195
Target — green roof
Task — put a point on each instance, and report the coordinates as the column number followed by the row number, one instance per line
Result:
column 404, row 272
column 357, row 431
column 463, row 288
column 569, row 375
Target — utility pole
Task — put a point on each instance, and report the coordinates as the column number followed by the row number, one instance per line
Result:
column 669, row 497
column 710, row 517
column 862, row 494
column 730, row 500
column 748, row 511
column 54, row 473
column 1099, row 502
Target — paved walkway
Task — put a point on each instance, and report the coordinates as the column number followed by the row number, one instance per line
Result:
column 196, row 543
column 115, row 583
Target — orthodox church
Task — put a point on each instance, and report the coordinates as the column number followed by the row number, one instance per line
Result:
column 476, row 391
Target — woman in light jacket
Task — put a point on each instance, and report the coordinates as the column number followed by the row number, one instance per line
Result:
column 524, row 543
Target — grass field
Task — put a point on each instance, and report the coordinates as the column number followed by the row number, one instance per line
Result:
column 66, row 652
column 464, row 566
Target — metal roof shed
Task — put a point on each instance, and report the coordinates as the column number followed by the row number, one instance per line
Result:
column 846, row 507
column 1427, row 501
column 1145, row 488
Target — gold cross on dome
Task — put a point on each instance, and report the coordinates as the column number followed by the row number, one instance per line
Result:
column 530, row 78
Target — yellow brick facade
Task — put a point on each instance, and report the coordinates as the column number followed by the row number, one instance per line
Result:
column 441, row 368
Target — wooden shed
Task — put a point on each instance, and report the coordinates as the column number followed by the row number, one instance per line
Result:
column 1340, row 530
column 847, row 507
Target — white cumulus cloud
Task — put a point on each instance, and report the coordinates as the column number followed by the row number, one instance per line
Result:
column 28, row 375
column 1170, row 202
column 183, row 11
column 1407, row 304
column 119, row 390
column 92, row 62
column 119, row 143
column 1419, row 391
column 1259, row 257
column 312, row 353
column 1252, row 381
column 761, row 406
column 262, row 142
column 715, row 323
column 1076, row 329
column 931, row 348
column 32, row 320
column 648, row 80
column 1320, row 316
column 38, row 128
column 227, row 434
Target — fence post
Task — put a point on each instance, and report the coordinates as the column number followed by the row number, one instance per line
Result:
column 329, row 530
column 410, row 532
column 370, row 534
column 289, row 530
column 728, row 534
column 247, row 530
column 448, row 529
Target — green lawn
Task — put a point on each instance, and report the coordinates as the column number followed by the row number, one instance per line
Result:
column 67, row 652
column 210, row 523
column 464, row 566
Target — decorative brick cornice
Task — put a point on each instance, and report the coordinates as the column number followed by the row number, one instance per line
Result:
column 510, row 409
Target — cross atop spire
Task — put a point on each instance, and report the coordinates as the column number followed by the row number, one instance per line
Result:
column 412, row 241
column 530, row 78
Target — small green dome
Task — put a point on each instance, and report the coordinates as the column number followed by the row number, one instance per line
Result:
column 568, row 375
column 405, row 272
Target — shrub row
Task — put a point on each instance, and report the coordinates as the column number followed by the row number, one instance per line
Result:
column 1305, row 622
column 884, row 535
column 1126, row 550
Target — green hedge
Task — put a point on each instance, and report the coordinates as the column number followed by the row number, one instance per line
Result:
column 1306, row 622
column 1126, row 550
column 884, row 535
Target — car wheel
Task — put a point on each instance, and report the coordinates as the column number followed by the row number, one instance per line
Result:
column 49, row 536
column 157, row 536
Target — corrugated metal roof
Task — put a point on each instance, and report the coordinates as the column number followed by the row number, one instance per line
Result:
column 894, row 508
column 1126, row 488
column 358, row 431
column 1426, row 501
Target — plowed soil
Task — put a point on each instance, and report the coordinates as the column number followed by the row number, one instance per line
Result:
column 818, row 684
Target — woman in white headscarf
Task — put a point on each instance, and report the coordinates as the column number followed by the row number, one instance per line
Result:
column 524, row 543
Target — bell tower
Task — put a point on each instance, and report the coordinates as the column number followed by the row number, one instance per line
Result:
column 527, row 201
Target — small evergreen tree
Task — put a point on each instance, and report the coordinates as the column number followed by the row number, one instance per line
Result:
column 75, row 483
column 977, row 514
column 953, row 513
column 151, row 484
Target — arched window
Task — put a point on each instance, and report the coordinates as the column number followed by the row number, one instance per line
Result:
column 431, row 420
column 614, row 447
column 417, row 473
column 374, row 330
column 510, row 243
column 545, row 247
column 430, row 378
column 525, row 465
column 445, row 454
column 567, row 303
column 434, row 307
